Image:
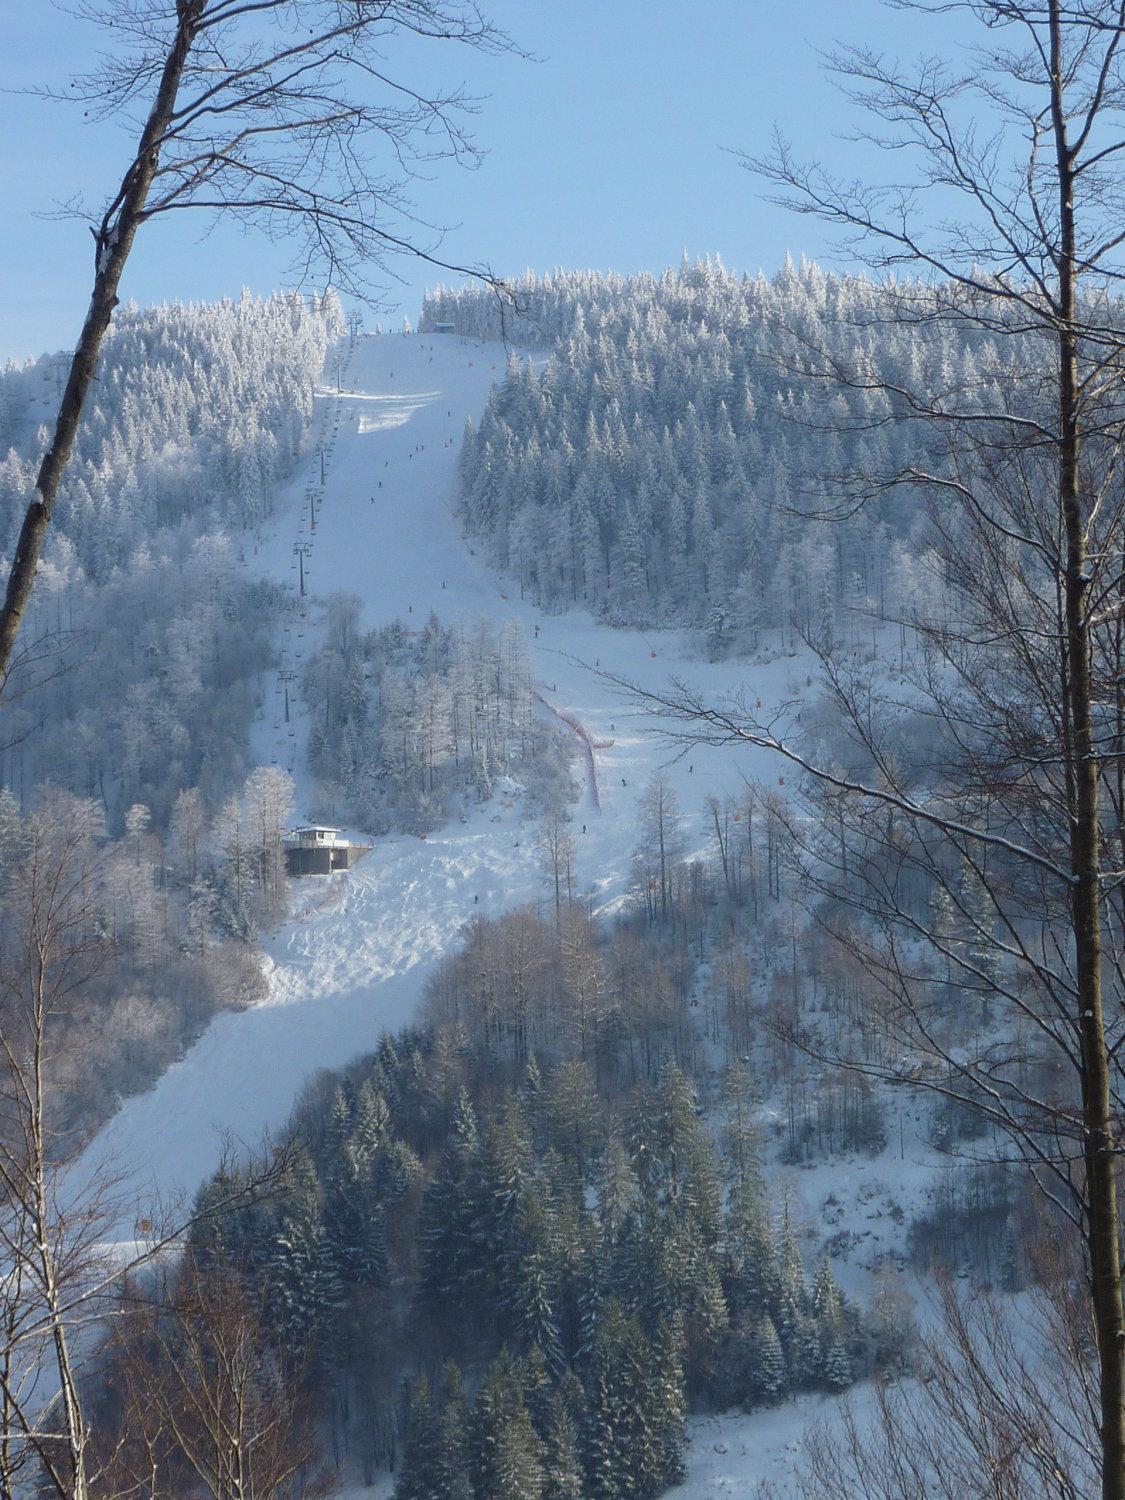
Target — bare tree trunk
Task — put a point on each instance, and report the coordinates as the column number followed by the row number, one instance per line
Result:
column 1097, row 1102
column 69, row 1398
column 113, row 244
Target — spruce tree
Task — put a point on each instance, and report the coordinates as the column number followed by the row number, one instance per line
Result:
column 827, row 1301
column 340, row 1118
column 805, row 1351
column 767, row 1380
column 371, row 1123
column 503, row 1173
column 507, row 1459
column 355, row 1226
column 626, row 1448
column 831, row 1315
column 618, row 1192
column 685, row 1168
column 537, row 1387
column 417, row 1476
column 750, row 1271
column 447, row 1219
column 837, row 1364
column 666, row 1397
column 530, row 1094
column 573, row 1114
column 529, row 1285
column 303, row 1286
column 562, row 1462
column 449, row 1468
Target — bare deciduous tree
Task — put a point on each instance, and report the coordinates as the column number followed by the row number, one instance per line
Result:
column 660, row 848
column 280, row 113
column 556, row 850
column 206, row 1398
column 980, row 1418
column 59, row 1264
column 971, row 810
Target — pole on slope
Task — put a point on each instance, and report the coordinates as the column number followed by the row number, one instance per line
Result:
column 301, row 549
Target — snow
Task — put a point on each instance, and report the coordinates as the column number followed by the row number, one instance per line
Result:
column 731, row 1454
column 355, row 956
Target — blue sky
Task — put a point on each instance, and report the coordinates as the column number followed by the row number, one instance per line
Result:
column 611, row 150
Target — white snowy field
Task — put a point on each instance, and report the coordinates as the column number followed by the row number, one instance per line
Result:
column 730, row 1455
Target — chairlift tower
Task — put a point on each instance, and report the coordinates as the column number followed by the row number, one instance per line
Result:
column 286, row 678
column 302, row 549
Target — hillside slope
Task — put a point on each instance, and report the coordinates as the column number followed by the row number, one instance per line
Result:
column 355, row 958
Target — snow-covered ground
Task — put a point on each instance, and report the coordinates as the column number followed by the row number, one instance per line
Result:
column 731, row 1454
column 355, row 957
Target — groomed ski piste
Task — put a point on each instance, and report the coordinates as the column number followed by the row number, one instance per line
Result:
column 355, row 958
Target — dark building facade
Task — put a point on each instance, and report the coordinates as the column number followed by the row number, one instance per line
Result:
column 319, row 851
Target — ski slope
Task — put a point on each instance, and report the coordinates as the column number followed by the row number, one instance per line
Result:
column 355, row 957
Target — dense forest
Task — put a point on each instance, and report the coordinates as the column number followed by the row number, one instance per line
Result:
column 406, row 725
column 141, row 844
column 515, row 1246
column 664, row 462
column 200, row 412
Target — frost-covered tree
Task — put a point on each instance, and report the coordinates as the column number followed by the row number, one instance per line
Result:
column 653, row 469
column 142, row 556
column 406, row 729
column 661, row 846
